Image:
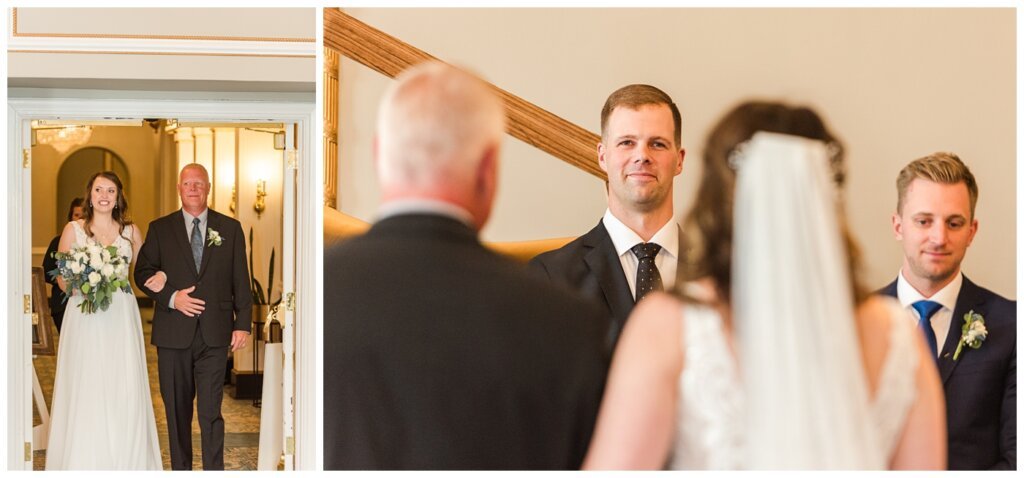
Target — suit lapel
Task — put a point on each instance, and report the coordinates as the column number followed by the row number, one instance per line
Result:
column 967, row 300
column 607, row 268
column 181, row 234
column 890, row 290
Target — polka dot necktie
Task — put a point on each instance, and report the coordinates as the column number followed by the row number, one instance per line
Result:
column 648, row 278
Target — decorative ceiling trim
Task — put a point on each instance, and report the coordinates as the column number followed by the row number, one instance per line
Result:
column 117, row 43
column 164, row 53
column 15, row 32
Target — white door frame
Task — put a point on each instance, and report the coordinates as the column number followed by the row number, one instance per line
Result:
column 19, row 258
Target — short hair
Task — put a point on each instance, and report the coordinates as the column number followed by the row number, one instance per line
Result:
column 940, row 167
column 635, row 96
column 434, row 123
column 198, row 166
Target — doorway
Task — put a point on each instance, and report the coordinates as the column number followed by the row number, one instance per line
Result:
column 293, row 176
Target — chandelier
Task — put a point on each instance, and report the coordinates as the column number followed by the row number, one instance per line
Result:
column 63, row 138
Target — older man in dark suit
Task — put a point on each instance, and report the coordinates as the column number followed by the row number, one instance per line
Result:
column 935, row 222
column 438, row 353
column 192, row 264
column 636, row 246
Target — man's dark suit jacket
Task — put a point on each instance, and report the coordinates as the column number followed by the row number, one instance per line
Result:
column 222, row 281
column 591, row 266
column 439, row 354
column 980, row 386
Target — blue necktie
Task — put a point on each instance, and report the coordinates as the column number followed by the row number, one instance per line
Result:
column 926, row 309
column 197, row 243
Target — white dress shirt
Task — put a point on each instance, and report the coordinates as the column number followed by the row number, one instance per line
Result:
column 623, row 238
column 907, row 295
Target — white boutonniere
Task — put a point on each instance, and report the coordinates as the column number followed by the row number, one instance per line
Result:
column 213, row 238
column 972, row 334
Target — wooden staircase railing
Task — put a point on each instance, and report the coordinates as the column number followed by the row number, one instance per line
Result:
column 529, row 123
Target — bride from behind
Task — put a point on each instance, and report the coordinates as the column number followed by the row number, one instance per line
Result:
column 771, row 355
column 102, row 407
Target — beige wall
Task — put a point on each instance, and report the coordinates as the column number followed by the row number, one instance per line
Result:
column 895, row 84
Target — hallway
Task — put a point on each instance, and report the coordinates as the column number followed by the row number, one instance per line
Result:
column 241, row 418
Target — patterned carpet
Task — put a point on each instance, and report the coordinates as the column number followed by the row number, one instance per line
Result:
column 241, row 418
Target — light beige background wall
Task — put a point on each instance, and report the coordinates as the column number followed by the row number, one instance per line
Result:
column 895, row 84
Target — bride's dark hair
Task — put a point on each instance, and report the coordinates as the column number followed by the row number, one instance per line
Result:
column 120, row 212
column 708, row 227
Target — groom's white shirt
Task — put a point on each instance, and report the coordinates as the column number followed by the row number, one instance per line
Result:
column 188, row 233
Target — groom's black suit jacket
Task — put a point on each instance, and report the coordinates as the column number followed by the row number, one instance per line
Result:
column 440, row 354
column 591, row 266
column 222, row 281
column 980, row 386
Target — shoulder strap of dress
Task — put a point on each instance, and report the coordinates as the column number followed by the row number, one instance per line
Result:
column 80, row 234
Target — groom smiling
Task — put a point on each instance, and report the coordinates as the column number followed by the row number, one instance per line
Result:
column 192, row 264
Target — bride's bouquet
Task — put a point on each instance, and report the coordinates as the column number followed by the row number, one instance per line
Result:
column 95, row 271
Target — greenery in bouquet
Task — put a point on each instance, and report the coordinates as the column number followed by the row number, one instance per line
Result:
column 95, row 272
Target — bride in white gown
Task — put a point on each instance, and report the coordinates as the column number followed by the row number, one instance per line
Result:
column 102, row 416
column 772, row 356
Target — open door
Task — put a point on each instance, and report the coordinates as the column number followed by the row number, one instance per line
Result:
column 20, row 305
column 296, row 252
column 288, row 261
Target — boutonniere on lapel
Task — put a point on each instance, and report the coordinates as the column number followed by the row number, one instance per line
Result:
column 213, row 238
column 972, row 334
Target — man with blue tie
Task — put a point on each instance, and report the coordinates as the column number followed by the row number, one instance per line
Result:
column 935, row 223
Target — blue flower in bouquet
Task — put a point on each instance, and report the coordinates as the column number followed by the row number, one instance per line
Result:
column 94, row 272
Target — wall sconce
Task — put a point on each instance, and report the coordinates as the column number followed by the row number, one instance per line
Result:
column 261, row 194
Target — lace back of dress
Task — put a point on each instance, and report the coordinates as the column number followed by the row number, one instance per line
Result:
column 709, row 423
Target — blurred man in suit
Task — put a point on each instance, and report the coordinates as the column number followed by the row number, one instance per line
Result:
column 635, row 248
column 935, row 222
column 439, row 354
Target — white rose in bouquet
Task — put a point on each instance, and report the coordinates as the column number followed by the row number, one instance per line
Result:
column 95, row 261
column 94, row 278
column 107, row 270
column 76, row 267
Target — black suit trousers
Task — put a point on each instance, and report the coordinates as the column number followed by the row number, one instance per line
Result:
column 184, row 374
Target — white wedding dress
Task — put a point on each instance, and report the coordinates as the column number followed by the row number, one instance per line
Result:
column 710, row 423
column 794, row 394
column 102, row 417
